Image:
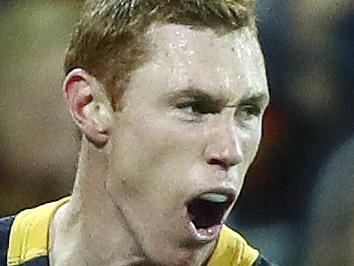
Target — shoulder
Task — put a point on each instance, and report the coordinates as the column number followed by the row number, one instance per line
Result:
column 5, row 228
column 233, row 250
column 24, row 237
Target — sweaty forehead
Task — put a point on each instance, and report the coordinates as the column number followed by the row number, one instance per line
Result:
column 203, row 58
column 179, row 38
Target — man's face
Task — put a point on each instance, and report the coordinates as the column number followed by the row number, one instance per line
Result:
column 189, row 130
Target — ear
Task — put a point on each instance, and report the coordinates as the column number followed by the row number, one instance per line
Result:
column 89, row 106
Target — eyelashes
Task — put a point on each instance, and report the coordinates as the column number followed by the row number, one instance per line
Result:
column 203, row 108
column 251, row 109
column 198, row 108
column 196, row 111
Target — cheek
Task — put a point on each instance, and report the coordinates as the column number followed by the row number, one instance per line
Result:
column 250, row 146
column 150, row 153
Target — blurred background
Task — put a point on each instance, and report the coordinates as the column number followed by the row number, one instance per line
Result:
column 297, row 206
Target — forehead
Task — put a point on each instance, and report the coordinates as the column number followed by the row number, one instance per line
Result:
column 204, row 59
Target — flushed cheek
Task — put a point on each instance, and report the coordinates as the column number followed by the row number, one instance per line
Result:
column 160, row 155
column 162, row 137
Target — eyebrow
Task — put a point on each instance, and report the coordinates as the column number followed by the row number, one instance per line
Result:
column 257, row 97
column 201, row 95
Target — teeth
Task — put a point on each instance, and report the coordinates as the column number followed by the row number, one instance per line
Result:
column 214, row 197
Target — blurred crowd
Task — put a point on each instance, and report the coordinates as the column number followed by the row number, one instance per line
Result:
column 298, row 202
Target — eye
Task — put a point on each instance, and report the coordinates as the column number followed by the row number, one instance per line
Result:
column 197, row 108
column 248, row 114
column 250, row 109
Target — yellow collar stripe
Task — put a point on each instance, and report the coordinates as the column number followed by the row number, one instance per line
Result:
column 232, row 250
column 29, row 233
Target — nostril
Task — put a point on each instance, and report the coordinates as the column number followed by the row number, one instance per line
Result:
column 222, row 163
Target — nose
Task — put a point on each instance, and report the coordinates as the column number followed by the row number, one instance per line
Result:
column 225, row 148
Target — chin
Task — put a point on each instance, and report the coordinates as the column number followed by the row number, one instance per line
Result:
column 182, row 259
column 191, row 256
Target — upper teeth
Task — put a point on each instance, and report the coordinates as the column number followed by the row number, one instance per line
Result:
column 214, row 197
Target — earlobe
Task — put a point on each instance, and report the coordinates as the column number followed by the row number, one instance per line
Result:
column 88, row 105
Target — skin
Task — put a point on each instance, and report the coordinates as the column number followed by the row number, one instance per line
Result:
column 166, row 145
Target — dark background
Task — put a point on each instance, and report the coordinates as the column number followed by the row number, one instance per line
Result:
column 301, row 181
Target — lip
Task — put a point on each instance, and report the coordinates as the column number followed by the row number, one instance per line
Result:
column 206, row 235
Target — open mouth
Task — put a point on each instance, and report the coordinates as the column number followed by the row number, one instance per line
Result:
column 206, row 212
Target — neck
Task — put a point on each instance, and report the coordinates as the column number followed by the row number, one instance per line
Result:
column 90, row 229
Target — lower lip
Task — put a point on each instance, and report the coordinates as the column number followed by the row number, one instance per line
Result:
column 205, row 235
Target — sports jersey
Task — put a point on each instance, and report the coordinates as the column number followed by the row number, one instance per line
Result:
column 24, row 241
